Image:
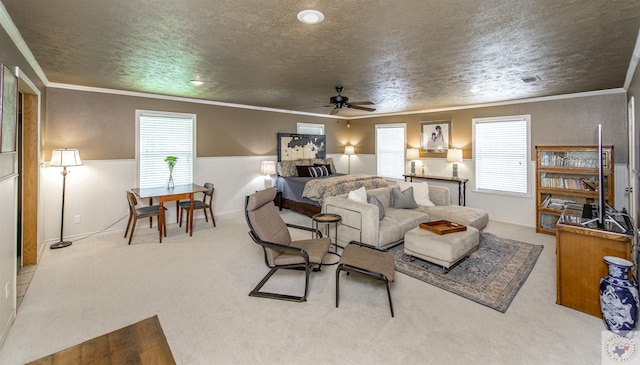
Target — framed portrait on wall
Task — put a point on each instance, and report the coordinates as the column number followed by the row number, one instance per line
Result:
column 8, row 110
column 435, row 136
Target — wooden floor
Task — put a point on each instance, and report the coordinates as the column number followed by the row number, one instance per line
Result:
column 141, row 343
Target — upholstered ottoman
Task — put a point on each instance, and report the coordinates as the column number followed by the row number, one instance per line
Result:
column 470, row 217
column 444, row 250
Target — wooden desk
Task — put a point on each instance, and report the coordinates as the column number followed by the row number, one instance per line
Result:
column 462, row 184
column 164, row 194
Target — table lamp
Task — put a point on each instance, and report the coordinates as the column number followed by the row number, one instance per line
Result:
column 64, row 158
column 454, row 155
column 413, row 154
column 349, row 150
column 268, row 168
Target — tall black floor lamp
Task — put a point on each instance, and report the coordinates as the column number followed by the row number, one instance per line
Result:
column 64, row 158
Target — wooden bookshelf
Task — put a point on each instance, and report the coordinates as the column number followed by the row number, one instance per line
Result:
column 568, row 174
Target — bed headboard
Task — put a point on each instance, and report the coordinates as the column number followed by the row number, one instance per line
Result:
column 292, row 146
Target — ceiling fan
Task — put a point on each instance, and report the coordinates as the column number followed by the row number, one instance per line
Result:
column 339, row 101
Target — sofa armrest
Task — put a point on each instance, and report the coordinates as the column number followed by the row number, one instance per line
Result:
column 360, row 221
column 439, row 195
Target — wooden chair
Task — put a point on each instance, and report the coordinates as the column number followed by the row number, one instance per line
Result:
column 204, row 204
column 136, row 213
column 269, row 231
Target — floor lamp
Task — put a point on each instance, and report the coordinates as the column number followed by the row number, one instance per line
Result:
column 349, row 150
column 64, row 158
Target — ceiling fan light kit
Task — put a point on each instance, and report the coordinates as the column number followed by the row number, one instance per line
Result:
column 339, row 101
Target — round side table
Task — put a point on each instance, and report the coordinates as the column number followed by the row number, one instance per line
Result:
column 327, row 219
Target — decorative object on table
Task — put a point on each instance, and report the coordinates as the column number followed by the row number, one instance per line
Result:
column 412, row 155
column 491, row 276
column 618, row 297
column 349, row 150
column 454, row 155
column 65, row 157
column 268, row 168
column 435, row 136
column 171, row 162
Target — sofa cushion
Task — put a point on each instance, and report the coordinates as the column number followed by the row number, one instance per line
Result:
column 383, row 195
column 359, row 195
column 420, row 192
column 403, row 199
column 373, row 200
column 396, row 222
column 468, row 216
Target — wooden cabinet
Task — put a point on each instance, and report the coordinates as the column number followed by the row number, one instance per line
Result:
column 568, row 174
column 580, row 264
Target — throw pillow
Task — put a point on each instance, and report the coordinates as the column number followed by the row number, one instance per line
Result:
column 318, row 171
column 359, row 195
column 327, row 166
column 420, row 192
column 325, row 161
column 303, row 171
column 403, row 199
column 375, row 201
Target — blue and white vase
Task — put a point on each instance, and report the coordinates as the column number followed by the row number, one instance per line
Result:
column 618, row 297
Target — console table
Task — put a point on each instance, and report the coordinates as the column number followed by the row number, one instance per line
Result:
column 462, row 184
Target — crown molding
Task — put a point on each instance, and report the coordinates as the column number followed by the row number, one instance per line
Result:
column 16, row 37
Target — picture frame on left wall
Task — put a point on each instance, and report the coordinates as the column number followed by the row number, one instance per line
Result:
column 8, row 110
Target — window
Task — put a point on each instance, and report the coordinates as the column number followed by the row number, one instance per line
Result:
column 501, row 154
column 310, row 128
column 162, row 134
column 390, row 146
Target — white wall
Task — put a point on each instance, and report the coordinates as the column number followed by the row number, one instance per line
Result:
column 96, row 191
column 8, row 253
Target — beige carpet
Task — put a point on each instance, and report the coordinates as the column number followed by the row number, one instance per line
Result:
column 199, row 288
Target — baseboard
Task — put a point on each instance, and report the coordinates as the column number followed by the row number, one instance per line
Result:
column 7, row 327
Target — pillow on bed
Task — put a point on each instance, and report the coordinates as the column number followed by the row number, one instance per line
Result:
column 318, row 171
column 288, row 168
column 327, row 166
column 359, row 195
column 303, row 171
column 325, row 161
column 373, row 200
column 403, row 199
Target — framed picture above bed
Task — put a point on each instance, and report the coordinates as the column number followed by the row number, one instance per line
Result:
column 293, row 146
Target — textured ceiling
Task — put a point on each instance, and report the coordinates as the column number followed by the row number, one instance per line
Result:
column 402, row 55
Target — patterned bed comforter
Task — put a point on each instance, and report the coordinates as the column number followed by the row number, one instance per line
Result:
column 317, row 189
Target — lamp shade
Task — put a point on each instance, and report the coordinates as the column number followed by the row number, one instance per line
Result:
column 65, row 157
column 268, row 168
column 454, row 155
column 413, row 154
column 349, row 150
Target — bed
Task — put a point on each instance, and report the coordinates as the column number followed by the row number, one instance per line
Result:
column 297, row 153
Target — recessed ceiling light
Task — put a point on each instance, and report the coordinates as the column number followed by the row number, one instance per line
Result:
column 474, row 89
column 197, row 82
column 310, row 16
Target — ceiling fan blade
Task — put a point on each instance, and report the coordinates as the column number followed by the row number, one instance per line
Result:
column 334, row 111
column 361, row 108
column 362, row 103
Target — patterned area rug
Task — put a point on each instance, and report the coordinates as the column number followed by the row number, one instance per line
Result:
column 491, row 276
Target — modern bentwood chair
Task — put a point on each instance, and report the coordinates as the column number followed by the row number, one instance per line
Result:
column 136, row 213
column 280, row 252
column 204, row 204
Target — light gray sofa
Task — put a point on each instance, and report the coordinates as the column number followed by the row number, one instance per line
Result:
column 360, row 221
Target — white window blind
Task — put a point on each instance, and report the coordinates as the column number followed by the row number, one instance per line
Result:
column 310, row 128
column 501, row 152
column 390, row 147
column 160, row 135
